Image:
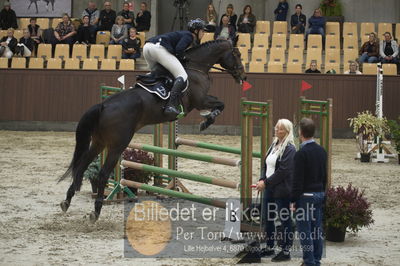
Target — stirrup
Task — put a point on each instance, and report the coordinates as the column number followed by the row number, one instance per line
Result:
column 182, row 113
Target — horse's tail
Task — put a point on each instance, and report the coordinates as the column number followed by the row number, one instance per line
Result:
column 83, row 135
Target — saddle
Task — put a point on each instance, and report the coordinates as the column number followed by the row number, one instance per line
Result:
column 158, row 82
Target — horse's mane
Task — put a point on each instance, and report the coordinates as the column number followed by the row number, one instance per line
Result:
column 208, row 45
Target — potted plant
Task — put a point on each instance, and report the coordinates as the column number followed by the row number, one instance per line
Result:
column 345, row 209
column 331, row 8
column 367, row 126
column 394, row 126
column 140, row 176
column 332, row 11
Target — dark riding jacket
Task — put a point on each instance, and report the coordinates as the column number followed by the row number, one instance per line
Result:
column 280, row 182
column 12, row 44
column 175, row 42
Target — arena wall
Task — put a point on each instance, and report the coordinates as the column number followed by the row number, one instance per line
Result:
column 56, row 99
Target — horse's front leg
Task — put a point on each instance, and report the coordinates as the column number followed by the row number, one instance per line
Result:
column 216, row 107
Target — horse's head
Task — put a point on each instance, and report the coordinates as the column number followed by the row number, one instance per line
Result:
column 230, row 60
column 217, row 52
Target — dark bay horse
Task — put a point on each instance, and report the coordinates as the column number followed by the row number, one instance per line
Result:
column 112, row 123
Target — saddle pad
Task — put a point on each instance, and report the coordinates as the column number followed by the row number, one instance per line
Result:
column 159, row 89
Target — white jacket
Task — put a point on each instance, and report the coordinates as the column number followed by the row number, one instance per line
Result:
column 395, row 48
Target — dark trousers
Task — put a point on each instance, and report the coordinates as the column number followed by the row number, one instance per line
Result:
column 273, row 209
column 309, row 211
column 69, row 41
column 130, row 56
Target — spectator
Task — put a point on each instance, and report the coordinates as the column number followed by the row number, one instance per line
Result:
column 298, row 21
column 316, row 24
column 35, row 32
column 313, row 68
column 281, row 11
column 353, row 69
column 276, row 179
column 308, row 192
column 369, row 51
column 86, row 32
column 389, row 49
column 107, row 17
column 225, row 31
column 8, row 44
column 64, row 32
column 247, row 21
column 211, row 18
column 26, row 45
column 131, row 45
column 119, row 31
column 93, row 13
column 232, row 17
column 128, row 16
column 143, row 18
column 8, row 19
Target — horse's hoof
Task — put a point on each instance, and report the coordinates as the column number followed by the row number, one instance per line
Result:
column 93, row 217
column 64, row 205
column 203, row 126
column 206, row 123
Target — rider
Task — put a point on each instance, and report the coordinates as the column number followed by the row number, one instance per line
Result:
column 166, row 49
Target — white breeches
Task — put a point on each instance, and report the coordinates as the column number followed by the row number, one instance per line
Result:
column 7, row 53
column 27, row 52
column 156, row 53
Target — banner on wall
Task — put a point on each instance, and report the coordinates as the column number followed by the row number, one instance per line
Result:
column 41, row 8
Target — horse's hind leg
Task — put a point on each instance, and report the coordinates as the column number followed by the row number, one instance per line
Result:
column 113, row 155
column 91, row 154
column 216, row 107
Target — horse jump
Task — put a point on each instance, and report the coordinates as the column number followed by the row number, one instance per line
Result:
column 249, row 110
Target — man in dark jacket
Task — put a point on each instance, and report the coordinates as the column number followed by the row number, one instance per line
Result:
column 8, row 19
column 129, row 17
column 298, row 21
column 168, row 50
column 26, row 45
column 281, row 11
column 369, row 51
column 308, row 192
column 107, row 17
column 143, row 18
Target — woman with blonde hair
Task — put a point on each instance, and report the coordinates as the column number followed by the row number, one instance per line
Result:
column 119, row 31
column 211, row 18
column 276, row 181
column 8, row 44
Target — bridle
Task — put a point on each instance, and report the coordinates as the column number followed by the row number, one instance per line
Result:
column 235, row 72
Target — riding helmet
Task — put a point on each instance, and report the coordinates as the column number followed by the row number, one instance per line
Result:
column 196, row 24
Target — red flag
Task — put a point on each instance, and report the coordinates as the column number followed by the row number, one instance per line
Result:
column 305, row 86
column 246, row 86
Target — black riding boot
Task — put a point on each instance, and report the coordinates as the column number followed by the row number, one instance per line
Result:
column 172, row 106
